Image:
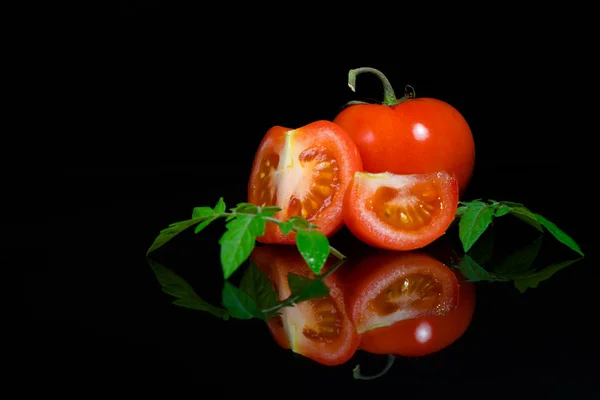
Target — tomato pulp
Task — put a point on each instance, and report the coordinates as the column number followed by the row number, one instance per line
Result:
column 320, row 328
column 390, row 286
column 424, row 335
column 400, row 212
column 305, row 172
column 417, row 136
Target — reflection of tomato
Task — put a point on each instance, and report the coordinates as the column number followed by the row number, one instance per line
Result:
column 424, row 335
column 400, row 212
column 417, row 136
column 319, row 329
column 305, row 172
column 388, row 286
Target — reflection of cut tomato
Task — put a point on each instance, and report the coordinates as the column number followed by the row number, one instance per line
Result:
column 319, row 329
column 305, row 172
column 424, row 335
column 388, row 286
column 400, row 212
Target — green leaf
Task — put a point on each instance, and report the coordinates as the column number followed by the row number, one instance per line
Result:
column 558, row 234
column 220, row 207
column 299, row 222
column 304, row 288
column 239, row 304
column 473, row 271
column 501, row 209
column 176, row 286
column 460, row 211
column 202, row 212
column 314, row 248
column 203, row 224
column 482, row 250
column 238, row 241
column 525, row 215
column 521, row 260
column 256, row 285
column 285, row 227
column 269, row 211
column 245, row 208
column 173, row 230
column 532, row 281
column 473, row 223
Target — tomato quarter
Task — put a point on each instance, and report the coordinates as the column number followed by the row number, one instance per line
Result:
column 416, row 136
column 305, row 172
column 319, row 329
column 400, row 212
column 424, row 335
column 390, row 286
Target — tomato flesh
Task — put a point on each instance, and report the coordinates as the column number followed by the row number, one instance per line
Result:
column 305, row 172
column 320, row 328
column 387, row 287
column 400, row 212
column 424, row 335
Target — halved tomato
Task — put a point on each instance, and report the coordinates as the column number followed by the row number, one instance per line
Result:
column 400, row 212
column 424, row 335
column 305, row 172
column 390, row 286
column 319, row 329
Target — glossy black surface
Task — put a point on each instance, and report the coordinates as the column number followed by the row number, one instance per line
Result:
column 169, row 132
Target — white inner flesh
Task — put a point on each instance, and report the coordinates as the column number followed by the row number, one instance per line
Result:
column 290, row 177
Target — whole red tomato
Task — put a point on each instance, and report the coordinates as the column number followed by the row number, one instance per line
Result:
column 409, row 135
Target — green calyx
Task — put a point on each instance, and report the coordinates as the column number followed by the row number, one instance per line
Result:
column 389, row 96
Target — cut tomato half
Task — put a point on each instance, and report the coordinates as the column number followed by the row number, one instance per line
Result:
column 424, row 335
column 388, row 286
column 400, row 212
column 305, row 172
column 319, row 329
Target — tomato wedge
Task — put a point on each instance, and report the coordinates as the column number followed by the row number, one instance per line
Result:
column 400, row 212
column 319, row 329
column 390, row 286
column 305, row 172
column 424, row 335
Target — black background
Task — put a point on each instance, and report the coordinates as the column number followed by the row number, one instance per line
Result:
column 165, row 121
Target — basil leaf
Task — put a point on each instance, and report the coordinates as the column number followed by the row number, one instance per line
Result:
column 238, row 241
column 314, row 248
column 473, row 223
column 239, row 304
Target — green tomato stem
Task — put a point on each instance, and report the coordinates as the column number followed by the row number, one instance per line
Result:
column 389, row 96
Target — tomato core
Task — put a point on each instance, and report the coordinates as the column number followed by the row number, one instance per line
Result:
column 418, row 291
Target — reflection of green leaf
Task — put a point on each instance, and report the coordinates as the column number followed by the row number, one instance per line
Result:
column 176, row 286
column 304, row 288
column 256, row 285
column 482, row 250
column 239, row 304
column 521, row 260
column 532, row 281
column 473, row 271
column 314, row 248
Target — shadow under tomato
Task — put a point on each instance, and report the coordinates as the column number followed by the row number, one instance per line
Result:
column 319, row 328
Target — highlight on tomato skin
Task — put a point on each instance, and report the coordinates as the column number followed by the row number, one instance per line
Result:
column 305, row 172
column 400, row 212
column 424, row 335
column 390, row 286
column 319, row 329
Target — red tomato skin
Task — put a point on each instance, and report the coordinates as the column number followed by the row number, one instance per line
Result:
column 377, row 266
column 401, row 338
column 323, row 132
column 421, row 135
column 365, row 233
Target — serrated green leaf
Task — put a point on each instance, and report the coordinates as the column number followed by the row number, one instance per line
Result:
column 258, row 287
column 203, row 225
column 173, row 230
column 473, row 271
column 176, row 286
column 473, row 223
column 239, row 304
column 304, row 288
column 285, row 227
column 202, row 212
column 220, row 207
column 314, row 248
column 525, row 215
column 269, row 211
column 299, row 222
column 238, row 241
column 532, row 281
column 558, row 234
